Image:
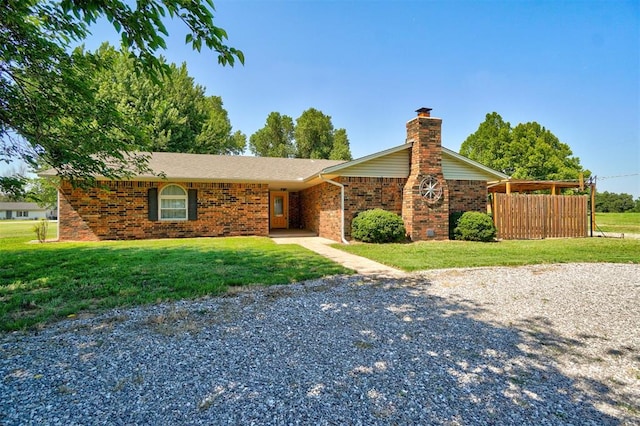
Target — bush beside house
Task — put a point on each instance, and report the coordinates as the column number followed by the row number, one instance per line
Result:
column 475, row 226
column 378, row 226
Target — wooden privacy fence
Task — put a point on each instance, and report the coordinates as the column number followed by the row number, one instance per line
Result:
column 533, row 216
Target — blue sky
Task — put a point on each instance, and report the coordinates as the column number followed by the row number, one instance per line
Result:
column 574, row 67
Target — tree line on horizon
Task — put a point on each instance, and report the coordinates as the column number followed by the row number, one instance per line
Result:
column 611, row 202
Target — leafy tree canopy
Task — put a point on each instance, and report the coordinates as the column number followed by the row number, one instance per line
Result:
column 275, row 139
column 340, row 149
column 17, row 187
column 13, row 188
column 527, row 151
column 313, row 136
column 174, row 116
column 50, row 114
column 43, row 191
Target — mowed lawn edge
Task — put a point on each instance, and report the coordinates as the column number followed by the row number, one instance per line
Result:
column 465, row 254
column 628, row 222
column 45, row 282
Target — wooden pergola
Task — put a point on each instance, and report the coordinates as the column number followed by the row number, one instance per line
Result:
column 515, row 185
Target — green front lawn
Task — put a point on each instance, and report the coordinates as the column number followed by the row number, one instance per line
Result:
column 461, row 254
column 43, row 282
column 628, row 223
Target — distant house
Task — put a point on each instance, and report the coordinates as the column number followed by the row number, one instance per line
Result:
column 24, row 211
column 213, row 195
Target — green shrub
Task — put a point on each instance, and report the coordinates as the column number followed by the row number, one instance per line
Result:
column 475, row 226
column 378, row 226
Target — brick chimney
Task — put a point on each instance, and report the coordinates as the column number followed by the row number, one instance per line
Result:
column 425, row 204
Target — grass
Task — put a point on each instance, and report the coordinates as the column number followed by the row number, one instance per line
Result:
column 455, row 254
column 21, row 230
column 628, row 223
column 44, row 282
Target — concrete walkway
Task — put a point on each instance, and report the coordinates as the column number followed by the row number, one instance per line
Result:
column 359, row 264
column 616, row 235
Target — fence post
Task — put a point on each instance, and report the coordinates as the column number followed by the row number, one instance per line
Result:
column 593, row 204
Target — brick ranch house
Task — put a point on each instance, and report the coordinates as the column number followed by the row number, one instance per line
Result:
column 213, row 195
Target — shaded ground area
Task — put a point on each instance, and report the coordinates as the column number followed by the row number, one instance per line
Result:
column 478, row 346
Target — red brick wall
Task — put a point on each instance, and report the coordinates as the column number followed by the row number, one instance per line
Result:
column 365, row 193
column 119, row 210
column 295, row 221
column 467, row 195
column 320, row 210
column 320, row 205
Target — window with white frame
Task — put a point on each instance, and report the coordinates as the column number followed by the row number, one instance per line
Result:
column 22, row 213
column 173, row 203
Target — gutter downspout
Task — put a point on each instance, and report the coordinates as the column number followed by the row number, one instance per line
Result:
column 341, row 186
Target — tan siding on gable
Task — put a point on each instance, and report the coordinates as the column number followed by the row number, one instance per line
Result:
column 394, row 165
column 454, row 169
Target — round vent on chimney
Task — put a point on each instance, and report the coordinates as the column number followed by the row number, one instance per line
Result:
column 431, row 188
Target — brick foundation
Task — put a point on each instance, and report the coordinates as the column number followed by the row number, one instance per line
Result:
column 119, row 210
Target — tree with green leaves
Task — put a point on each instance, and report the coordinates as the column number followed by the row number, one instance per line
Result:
column 275, row 139
column 536, row 153
column 314, row 134
column 615, row 203
column 216, row 135
column 340, row 149
column 315, row 137
column 13, row 184
column 527, row 151
column 173, row 116
column 49, row 111
column 489, row 143
column 13, row 188
column 43, row 191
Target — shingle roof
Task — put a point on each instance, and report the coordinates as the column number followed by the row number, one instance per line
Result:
column 232, row 167
column 289, row 171
column 179, row 166
column 20, row 206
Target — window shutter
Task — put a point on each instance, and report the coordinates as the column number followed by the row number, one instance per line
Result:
column 193, row 204
column 152, row 196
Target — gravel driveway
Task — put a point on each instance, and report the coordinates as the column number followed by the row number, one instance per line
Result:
column 549, row 344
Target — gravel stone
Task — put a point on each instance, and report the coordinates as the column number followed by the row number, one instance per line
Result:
column 534, row 345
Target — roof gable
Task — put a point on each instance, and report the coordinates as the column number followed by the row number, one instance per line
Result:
column 394, row 162
column 459, row 167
